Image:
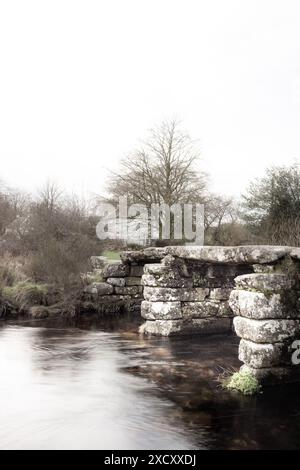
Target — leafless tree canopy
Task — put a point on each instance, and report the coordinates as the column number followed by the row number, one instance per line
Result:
column 163, row 170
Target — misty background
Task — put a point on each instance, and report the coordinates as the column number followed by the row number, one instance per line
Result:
column 82, row 82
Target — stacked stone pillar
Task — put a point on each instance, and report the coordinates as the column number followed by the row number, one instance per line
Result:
column 267, row 321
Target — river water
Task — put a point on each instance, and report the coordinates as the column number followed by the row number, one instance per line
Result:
column 99, row 385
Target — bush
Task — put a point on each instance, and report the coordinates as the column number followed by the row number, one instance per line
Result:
column 272, row 205
column 61, row 261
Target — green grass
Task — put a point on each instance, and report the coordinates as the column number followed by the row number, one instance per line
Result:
column 243, row 382
column 90, row 278
column 112, row 255
column 25, row 294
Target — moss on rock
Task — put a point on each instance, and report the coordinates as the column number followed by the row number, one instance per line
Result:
column 243, row 382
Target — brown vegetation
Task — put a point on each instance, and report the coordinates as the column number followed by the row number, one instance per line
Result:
column 45, row 245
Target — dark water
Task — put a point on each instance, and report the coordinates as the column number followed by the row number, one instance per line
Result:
column 101, row 386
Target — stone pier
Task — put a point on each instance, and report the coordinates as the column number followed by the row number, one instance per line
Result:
column 267, row 321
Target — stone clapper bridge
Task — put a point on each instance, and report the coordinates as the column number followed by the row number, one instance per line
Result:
column 253, row 290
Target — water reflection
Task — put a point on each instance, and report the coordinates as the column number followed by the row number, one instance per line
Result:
column 96, row 385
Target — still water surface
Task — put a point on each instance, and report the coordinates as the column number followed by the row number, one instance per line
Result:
column 101, row 386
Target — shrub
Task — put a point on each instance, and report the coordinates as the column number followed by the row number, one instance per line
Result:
column 61, row 261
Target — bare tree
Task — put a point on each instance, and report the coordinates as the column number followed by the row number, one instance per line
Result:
column 224, row 223
column 49, row 196
column 217, row 208
column 163, row 170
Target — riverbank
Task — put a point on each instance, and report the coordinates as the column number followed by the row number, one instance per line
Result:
column 106, row 289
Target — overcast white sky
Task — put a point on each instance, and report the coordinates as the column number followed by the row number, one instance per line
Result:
column 81, row 81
